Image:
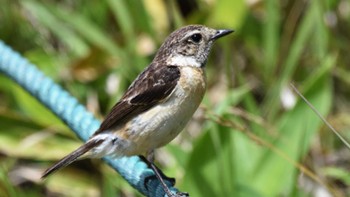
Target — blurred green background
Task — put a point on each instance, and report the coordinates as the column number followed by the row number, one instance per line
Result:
column 252, row 136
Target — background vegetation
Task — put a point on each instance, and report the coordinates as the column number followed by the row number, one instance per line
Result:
column 252, row 136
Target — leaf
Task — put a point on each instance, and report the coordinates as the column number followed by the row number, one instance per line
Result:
column 50, row 21
column 297, row 128
column 228, row 14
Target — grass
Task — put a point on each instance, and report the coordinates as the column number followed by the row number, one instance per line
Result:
column 245, row 139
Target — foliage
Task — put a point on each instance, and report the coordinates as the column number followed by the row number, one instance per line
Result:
column 252, row 136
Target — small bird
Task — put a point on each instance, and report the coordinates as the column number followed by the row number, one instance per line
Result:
column 158, row 104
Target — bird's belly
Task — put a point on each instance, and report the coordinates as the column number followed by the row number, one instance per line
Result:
column 162, row 123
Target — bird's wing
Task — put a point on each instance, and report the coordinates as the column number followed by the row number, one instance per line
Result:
column 151, row 87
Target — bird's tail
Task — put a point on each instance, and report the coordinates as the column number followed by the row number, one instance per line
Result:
column 72, row 156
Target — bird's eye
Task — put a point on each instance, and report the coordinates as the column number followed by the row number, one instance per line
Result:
column 196, row 38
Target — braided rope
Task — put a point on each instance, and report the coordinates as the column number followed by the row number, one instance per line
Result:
column 75, row 115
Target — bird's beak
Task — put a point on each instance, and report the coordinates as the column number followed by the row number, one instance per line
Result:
column 220, row 33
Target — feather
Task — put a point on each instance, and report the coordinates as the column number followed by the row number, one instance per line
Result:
column 72, row 156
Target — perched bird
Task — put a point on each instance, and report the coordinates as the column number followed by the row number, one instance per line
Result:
column 158, row 104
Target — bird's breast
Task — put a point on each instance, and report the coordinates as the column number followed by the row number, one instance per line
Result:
column 162, row 123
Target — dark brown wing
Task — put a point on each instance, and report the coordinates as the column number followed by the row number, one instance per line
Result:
column 151, row 87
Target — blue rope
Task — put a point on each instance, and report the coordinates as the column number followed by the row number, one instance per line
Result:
column 75, row 115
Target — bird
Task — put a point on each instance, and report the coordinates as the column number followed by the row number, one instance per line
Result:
column 158, row 103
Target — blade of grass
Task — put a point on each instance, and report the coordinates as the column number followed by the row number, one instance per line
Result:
column 298, row 125
column 271, row 38
column 321, row 117
column 122, row 15
column 50, row 21
column 271, row 102
column 87, row 29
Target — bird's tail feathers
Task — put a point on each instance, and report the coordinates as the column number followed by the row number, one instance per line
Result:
column 73, row 156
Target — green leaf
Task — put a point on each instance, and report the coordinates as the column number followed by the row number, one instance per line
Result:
column 50, row 21
column 337, row 173
column 297, row 127
column 228, row 13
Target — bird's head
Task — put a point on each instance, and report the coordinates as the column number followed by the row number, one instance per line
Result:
column 189, row 45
